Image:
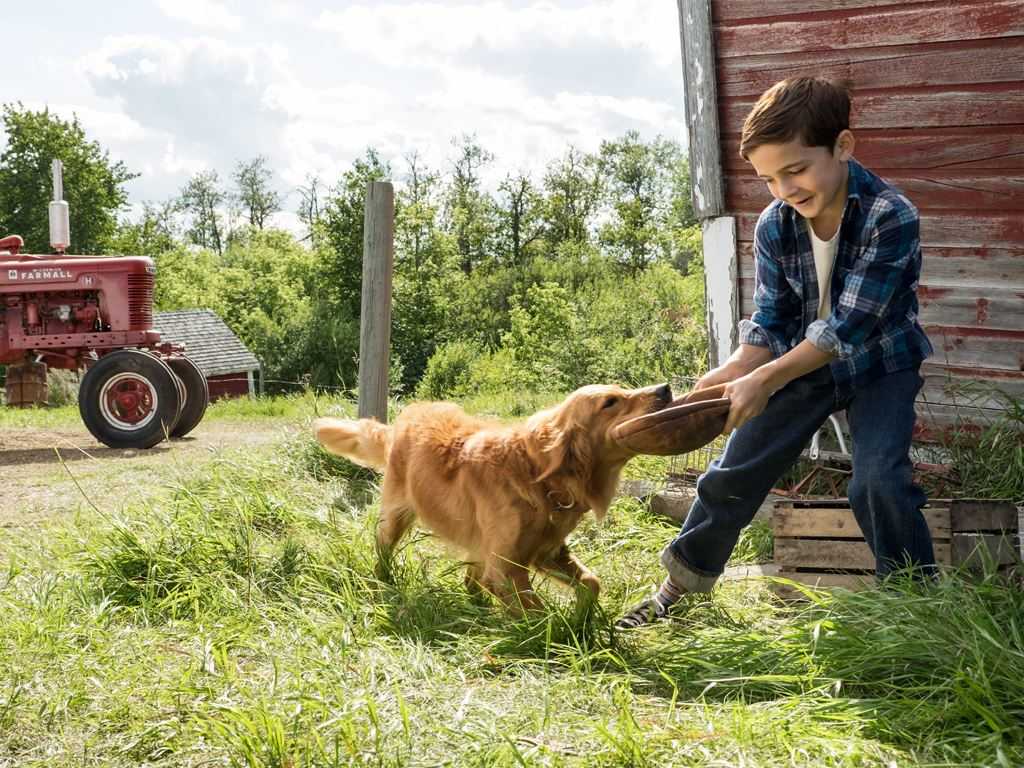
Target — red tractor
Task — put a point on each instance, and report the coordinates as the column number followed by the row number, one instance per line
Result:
column 96, row 313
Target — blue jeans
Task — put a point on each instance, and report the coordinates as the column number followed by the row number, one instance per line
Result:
column 883, row 496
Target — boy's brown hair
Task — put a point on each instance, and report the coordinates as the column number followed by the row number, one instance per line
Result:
column 812, row 109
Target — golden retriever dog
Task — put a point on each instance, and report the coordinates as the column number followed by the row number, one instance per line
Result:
column 506, row 495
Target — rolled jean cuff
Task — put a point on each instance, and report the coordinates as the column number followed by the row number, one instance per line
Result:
column 684, row 576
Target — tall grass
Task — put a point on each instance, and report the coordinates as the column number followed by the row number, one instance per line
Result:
column 240, row 619
column 930, row 665
column 990, row 461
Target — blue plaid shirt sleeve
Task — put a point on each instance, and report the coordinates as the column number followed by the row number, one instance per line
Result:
column 871, row 284
column 776, row 317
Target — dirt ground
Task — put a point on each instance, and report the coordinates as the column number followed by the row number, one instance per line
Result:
column 49, row 473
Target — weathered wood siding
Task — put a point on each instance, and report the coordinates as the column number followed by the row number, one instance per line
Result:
column 938, row 111
column 228, row 385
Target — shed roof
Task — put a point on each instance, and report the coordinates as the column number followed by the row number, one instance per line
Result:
column 207, row 339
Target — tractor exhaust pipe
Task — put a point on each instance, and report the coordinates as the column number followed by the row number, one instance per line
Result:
column 60, row 221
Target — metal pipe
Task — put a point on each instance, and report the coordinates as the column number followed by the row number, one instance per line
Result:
column 60, row 220
column 58, row 180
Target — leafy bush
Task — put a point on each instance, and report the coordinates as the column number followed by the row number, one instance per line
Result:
column 447, row 371
column 648, row 330
column 499, row 372
column 633, row 331
column 545, row 339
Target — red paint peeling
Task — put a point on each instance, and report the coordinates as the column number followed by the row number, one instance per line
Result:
column 979, row 373
column 970, row 330
column 926, row 294
column 982, row 305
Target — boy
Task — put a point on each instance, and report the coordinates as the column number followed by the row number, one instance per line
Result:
column 806, row 352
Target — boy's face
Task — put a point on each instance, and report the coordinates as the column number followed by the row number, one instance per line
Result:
column 811, row 179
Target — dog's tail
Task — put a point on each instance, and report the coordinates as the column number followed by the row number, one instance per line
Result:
column 365, row 442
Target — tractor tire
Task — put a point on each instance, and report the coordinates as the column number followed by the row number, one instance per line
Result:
column 129, row 399
column 197, row 395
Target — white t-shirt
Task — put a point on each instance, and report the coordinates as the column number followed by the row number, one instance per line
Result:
column 824, row 259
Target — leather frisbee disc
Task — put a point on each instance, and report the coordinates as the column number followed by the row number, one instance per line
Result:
column 689, row 423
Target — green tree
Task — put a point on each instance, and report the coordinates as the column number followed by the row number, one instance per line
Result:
column 544, row 337
column 93, row 183
column 419, row 242
column 268, row 282
column 572, row 188
column 203, row 200
column 309, row 208
column 262, row 287
column 254, row 191
column 188, row 279
column 342, row 220
column 684, row 228
column 640, row 185
column 153, row 233
column 423, row 255
column 334, row 327
column 469, row 210
column 520, row 218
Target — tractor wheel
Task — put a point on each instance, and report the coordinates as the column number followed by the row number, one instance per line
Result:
column 182, row 395
column 129, row 399
column 197, row 395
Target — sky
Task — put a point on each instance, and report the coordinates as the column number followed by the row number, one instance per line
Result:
column 173, row 87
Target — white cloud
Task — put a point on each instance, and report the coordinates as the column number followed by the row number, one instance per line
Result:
column 313, row 93
column 174, row 163
column 202, row 13
column 111, row 125
column 407, row 33
column 211, row 98
column 199, row 103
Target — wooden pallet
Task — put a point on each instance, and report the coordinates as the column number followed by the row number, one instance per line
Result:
column 818, row 542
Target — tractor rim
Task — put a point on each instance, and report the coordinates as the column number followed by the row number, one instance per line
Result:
column 128, row 401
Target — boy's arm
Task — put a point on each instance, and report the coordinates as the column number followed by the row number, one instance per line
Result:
column 746, row 358
column 777, row 310
column 750, row 393
column 877, row 275
column 870, row 287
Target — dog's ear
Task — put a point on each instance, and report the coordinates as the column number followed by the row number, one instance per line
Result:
column 566, row 451
column 574, row 471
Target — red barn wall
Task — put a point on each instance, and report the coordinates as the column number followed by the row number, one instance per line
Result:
column 228, row 385
column 939, row 112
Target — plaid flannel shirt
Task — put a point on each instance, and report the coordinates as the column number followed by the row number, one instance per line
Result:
column 873, row 327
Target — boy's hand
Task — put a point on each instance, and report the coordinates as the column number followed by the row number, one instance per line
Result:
column 748, row 395
column 745, row 359
column 720, row 375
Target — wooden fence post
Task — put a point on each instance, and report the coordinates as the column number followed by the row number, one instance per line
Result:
column 375, row 315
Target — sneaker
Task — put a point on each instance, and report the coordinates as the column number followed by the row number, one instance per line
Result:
column 647, row 612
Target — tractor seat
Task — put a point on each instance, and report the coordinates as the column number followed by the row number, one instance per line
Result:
column 11, row 244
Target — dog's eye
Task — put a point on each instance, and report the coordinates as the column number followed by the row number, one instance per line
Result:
column 610, row 402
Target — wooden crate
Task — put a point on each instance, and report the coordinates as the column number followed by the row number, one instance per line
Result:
column 818, row 542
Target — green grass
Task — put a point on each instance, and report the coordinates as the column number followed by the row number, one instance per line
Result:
column 39, row 418
column 237, row 619
column 292, row 407
column 990, row 461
